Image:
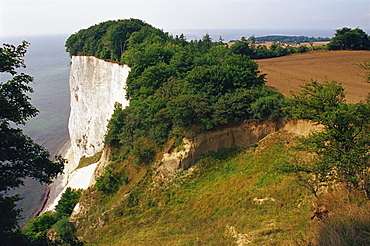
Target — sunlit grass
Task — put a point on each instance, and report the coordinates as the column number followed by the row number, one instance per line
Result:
column 202, row 206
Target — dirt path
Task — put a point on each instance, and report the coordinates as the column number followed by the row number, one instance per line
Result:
column 286, row 73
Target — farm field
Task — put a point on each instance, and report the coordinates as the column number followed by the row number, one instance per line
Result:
column 289, row 72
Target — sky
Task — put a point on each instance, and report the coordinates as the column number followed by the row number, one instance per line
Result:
column 45, row 17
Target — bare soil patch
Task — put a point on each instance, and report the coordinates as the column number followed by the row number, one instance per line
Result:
column 289, row 72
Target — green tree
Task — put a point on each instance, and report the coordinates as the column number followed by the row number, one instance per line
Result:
column 65, row 231
column 109, row 182
column 67, row 203
column 342, row 148
column 242, row 48
column 20, row 157
column 350, row 39
column 36, row 229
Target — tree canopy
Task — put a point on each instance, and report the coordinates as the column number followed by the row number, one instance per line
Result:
column 107, row 40
column 350, row 39
column 20, row 156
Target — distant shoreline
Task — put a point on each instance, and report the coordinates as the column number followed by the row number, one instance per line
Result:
column 54, row 189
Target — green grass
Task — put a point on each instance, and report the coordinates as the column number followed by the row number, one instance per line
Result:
column 207, row 204
column 86, row 161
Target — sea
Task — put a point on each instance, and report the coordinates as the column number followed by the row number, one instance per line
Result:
column 49, row 64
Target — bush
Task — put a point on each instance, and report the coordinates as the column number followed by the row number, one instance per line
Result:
column 36, row 229
column 65, row 233
column 109, row 182
column 350, row 39
column 269, row 107
column 67, row 202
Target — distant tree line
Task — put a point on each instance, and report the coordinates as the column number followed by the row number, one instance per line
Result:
column 261, row 51
column 288, row 39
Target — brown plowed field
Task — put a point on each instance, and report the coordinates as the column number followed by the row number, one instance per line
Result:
column 289, row 72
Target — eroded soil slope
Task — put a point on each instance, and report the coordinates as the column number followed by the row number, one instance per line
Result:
column 286, row 73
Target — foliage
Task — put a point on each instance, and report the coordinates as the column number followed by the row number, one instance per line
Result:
column 65, row 231
column 350, row 39
column 67, row 202
column 38, row 228
column 109, row 182
column 341, row 150
column 20, row 157
column 175, row 85
column 107, row 40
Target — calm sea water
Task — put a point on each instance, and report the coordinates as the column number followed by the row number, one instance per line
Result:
column 48, row 63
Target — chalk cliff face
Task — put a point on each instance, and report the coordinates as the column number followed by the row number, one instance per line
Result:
column 95, row 86
column 240, row 135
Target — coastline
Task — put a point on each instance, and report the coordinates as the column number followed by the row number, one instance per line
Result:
column 54, row 189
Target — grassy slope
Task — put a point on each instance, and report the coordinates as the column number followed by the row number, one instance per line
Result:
column 211, row 204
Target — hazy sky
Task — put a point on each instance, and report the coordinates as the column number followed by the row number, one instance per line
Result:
column 30, row 17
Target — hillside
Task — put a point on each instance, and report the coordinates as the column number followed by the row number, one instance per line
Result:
column 236, row 196
column 289, row 72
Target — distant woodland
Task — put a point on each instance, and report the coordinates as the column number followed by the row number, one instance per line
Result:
column 288, row 39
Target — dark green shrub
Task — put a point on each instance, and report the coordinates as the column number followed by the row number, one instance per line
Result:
column 36, row 229
column 67, row 202
column 109, row 182
column 65, row 233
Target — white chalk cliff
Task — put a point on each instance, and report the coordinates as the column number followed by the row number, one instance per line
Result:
column 95, row 86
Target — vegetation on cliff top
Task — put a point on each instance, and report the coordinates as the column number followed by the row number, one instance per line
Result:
column 179, row 88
